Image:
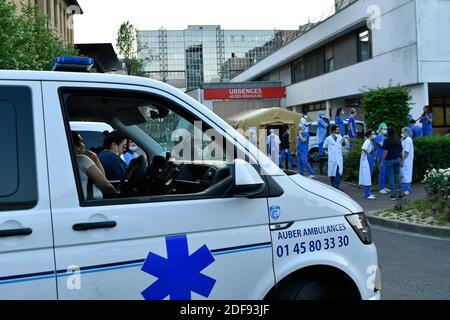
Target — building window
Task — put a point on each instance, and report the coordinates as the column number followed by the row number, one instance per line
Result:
column 298, row 71
column 440, row 104
column 364, row 45
column 49, row 9
column 55, row 13
column 329, row 58
column 18, row 187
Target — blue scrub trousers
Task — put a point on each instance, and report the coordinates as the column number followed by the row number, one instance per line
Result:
column 303, row 162
column 371, row 160
column 283, row 156
column 367, row 192
column 321, row 152
column 336, row 181
column 407, row 187
column 382, row 177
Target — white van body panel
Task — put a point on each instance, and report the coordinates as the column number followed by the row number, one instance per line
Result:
column 317, row 212
column 27, row 262
column 327, row 192
column 248, row 256
column 357, row 260
column 235, row 230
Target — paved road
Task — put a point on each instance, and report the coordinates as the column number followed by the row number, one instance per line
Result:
column 412, row 266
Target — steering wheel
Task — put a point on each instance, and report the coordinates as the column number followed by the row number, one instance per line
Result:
column 135, row 172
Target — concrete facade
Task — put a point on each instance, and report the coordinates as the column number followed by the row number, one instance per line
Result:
column 58, row 12
column 410, row 46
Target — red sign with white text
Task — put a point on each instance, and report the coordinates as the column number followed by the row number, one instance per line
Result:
column 244, row 93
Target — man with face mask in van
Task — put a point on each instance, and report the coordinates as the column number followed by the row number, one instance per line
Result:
column 379, row 141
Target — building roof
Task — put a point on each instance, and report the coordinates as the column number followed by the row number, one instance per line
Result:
column 103, row 54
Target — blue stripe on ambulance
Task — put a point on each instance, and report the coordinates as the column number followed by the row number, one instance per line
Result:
column 119, row 265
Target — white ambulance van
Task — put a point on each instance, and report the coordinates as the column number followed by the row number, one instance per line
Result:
column 227, row 224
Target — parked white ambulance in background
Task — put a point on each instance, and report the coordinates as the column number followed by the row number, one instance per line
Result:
column 234, row 227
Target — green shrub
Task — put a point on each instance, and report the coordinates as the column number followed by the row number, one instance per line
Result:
column 389, row 105
column 437, row 185
column 351, row 162
column 26, row 43
column 430, row 153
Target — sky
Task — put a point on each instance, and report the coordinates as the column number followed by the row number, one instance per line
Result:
column 102, row 18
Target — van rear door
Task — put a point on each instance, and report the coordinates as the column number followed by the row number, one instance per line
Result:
column 27, row 266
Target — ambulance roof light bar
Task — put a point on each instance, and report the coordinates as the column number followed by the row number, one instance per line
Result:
column 73, row 64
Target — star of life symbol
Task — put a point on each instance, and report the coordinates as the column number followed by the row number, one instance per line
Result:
column 180, row 273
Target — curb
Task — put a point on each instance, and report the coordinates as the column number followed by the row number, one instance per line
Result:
column 441, row 232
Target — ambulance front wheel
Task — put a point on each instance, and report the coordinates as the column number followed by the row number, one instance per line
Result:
column 314, row 289
column 305, row 290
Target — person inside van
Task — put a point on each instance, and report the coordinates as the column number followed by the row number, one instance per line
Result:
column 130, row 152
column 115, row 144
column 90, row 168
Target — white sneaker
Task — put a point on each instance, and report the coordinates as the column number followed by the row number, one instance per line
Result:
column 312, row 177
column 387, row 189
column 371, row 197
column 384, row 191
column 406, row 192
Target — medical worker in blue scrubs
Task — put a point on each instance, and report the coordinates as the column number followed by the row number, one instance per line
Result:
column 302, row 152
column 427, row 121
column 339, row 120
column 379, row 140
column 321, row 132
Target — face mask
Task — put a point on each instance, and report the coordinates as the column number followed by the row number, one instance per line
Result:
column 133, row 149
column 384, row 132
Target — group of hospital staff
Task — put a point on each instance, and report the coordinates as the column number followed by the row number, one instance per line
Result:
column 393, row 154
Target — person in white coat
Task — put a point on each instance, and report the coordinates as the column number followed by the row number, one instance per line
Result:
column 334, row 143
column 273, row 150
column 408, row 159
column 366, row 164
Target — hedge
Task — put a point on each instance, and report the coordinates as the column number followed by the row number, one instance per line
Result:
column 351, row 162
column 430, row 153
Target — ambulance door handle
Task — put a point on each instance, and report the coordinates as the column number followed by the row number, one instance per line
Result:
column 15, row 232
column 94, row 225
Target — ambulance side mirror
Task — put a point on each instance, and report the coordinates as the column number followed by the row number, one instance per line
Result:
column 247, row 181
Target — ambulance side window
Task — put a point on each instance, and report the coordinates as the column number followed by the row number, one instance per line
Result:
column 18, row 187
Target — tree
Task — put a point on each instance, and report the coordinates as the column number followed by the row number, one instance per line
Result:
column 129, row 48
column 25, row 41
column 390, row 105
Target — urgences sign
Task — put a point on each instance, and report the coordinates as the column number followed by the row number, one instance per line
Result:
column 244, row 93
